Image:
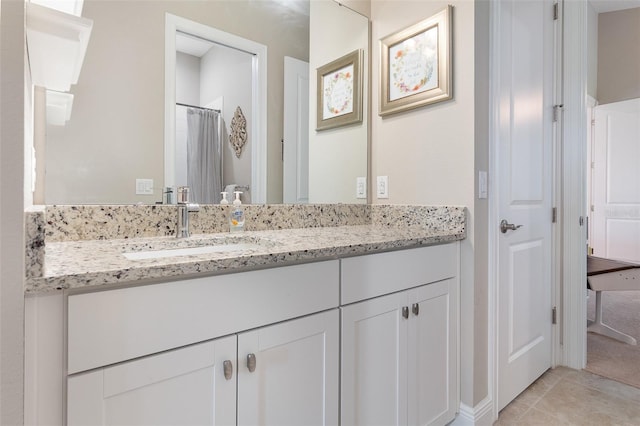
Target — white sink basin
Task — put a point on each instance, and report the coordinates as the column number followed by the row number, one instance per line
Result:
column 186, row 251
column 201, row 244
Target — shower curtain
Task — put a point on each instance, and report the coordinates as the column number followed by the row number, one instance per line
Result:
column 204, row 155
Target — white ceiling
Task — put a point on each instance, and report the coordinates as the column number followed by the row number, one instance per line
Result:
column 602, row 6
column 192, row 45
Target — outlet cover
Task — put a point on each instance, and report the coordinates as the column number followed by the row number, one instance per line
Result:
column 361, row 187
column 382, row 187
column 144, row 186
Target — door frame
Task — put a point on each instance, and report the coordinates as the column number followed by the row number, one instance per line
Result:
column 569, row 165
column 258, row 125
column 292, row 169
column 573, row 177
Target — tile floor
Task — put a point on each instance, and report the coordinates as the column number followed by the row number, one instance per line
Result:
column 563, row 396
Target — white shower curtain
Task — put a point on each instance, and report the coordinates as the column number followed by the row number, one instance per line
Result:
column 204, row 155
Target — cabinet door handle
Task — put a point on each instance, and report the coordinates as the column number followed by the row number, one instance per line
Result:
column 405, row 312
column 251, row 362
column 227, row 367
column 415, row 308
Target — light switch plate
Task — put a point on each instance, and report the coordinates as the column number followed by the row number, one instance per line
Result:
column 361, row 187
column 382, row 187
column 482, row 184
column 144, row 186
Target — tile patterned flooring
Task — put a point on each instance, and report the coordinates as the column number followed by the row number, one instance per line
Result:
column 563, row 396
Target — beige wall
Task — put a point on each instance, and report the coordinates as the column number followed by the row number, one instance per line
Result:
column 344, row 148
column 12, row 205
column 429, row 156
column 618, row 55
column 116, row 132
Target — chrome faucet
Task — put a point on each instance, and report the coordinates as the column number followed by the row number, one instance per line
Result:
column 184, row 208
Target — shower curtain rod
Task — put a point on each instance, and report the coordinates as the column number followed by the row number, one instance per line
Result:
column 199, row 107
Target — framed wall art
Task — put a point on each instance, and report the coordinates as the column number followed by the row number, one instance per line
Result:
column 340, row 92
column 415, row 65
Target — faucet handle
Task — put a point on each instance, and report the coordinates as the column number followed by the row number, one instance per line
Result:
column 183, row 195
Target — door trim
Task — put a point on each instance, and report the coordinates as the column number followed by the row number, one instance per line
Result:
column 573, row 181
column 493, row 215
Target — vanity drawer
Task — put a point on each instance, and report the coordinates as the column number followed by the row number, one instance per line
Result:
column 373, row 275
column 116, row 325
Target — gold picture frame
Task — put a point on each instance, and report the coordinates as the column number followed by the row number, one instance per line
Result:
column 415, row 65
column 340, row 91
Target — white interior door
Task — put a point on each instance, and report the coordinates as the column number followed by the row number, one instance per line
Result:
column 524, row 173
column 295, row 174
column 615, row 216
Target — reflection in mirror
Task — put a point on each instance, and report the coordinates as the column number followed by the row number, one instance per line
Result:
column 214, row 99
column 116, row 133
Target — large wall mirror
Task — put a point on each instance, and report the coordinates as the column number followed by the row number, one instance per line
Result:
column 117, row 133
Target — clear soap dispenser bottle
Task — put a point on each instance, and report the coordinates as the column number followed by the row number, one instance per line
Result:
column 236, row 218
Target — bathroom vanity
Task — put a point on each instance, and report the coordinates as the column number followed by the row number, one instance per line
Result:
column 351, row 325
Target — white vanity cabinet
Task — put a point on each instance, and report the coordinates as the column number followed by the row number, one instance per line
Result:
column 156, row 354
column 370, row 339
column 284, row 374
column 399, row 350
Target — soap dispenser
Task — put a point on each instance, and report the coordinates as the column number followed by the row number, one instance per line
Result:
column 224, row 200
column 236, row 218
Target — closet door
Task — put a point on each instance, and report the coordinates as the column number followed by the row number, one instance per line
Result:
column 182, row 387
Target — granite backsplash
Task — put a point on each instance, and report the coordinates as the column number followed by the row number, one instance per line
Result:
column 106, row 222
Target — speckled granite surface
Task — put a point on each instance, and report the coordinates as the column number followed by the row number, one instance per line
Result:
column 34, row 239
column 281, row 236
column 94, row 222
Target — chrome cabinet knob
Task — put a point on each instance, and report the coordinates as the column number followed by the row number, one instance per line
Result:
column 227, row 367
column 405, row 312
column 251, row 362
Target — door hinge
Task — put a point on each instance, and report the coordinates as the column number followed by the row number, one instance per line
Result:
column 556, row 112
column 554, row 315
column 555, row 11
column 554, row 215
column 282, row 150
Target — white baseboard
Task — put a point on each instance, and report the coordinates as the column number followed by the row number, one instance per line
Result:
column 480, row 415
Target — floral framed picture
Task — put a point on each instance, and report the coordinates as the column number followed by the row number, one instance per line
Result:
column 415, row 65
column 340, row 92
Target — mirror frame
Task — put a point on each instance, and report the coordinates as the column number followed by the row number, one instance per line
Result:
column 258, row 128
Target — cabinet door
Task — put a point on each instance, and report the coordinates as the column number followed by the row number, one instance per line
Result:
column 374, row 362
column 295, row 379
column 182, row 387
column 432, row 354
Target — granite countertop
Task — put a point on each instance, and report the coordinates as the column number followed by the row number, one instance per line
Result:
column 96, row 263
